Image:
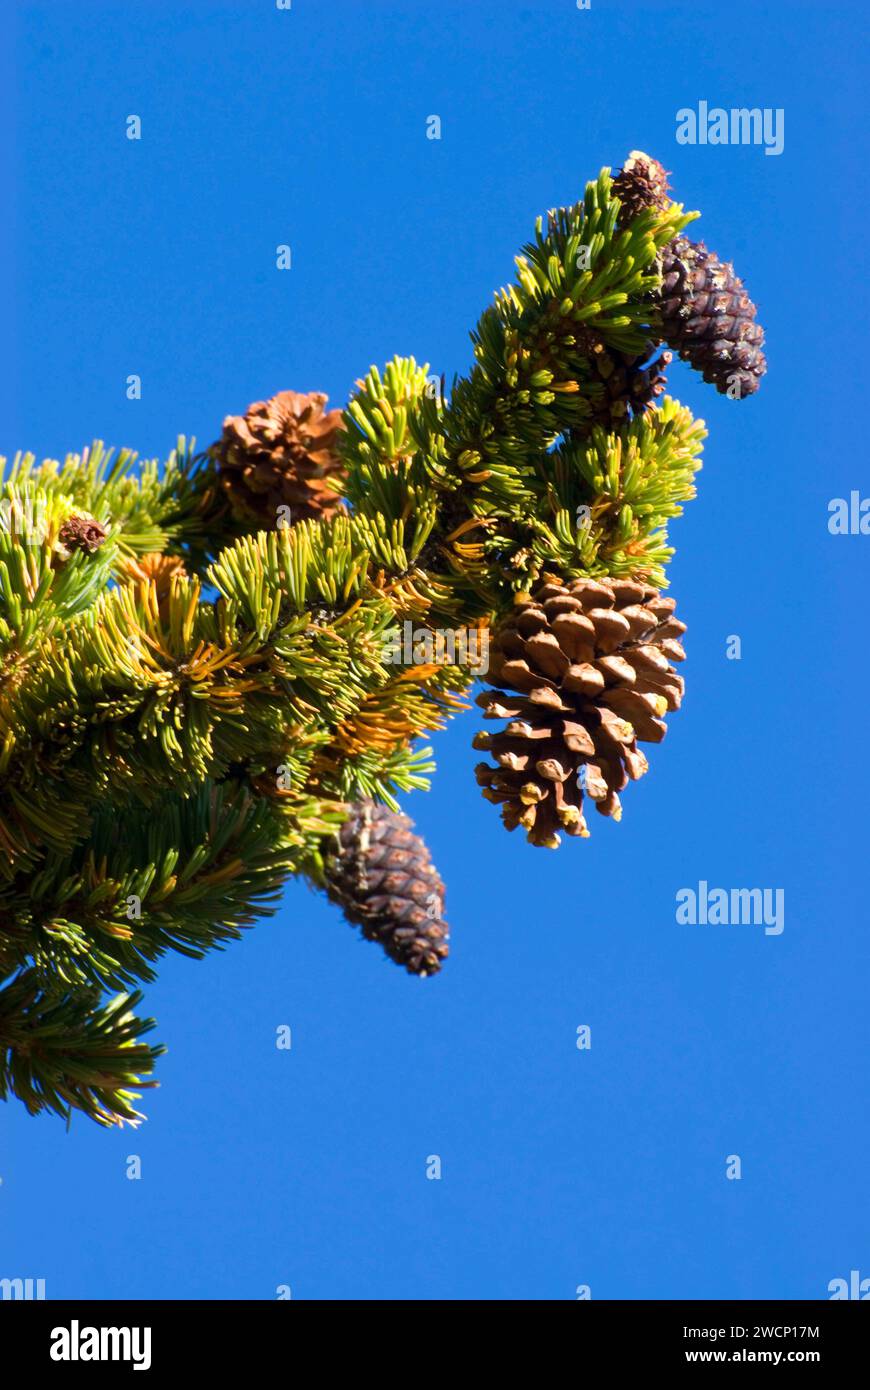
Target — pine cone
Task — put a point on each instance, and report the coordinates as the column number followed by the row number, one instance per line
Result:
column 705, row 312
column 708, row 317
column 80, row 532
column 591, row 660
column 641, row 183
column 384, row 881
column 281, row 453
column 631, row 383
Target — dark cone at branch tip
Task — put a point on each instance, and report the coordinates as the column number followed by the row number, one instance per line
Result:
column 641, row 183
column 705, row 313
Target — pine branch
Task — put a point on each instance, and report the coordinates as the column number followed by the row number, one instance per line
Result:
column 188, row 874
column 171, row 752
column 66, row 1053
column 583, row 285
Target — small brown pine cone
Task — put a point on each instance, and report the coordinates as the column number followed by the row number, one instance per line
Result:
column 641, row 183
column 709, row 319
column 281, row 454
column 590, row 661
column 385, row 882
column 80, row 532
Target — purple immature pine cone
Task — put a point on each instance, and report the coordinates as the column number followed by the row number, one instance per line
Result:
column 383, row 879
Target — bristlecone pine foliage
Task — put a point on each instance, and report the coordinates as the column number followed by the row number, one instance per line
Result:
column 706, row 313
column 281, row 454
column 154, row 568
column 204, row 685
column 585, row 674
column 382, row 877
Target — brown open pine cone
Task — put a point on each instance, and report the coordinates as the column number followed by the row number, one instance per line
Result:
column 281, row 454
column 590, row 662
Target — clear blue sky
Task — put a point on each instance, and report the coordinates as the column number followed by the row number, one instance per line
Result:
column 560, row 1167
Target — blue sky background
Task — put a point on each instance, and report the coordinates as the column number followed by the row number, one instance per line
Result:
column 560, row 1167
